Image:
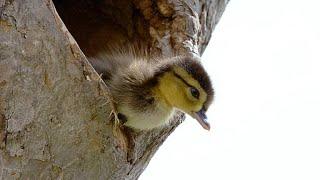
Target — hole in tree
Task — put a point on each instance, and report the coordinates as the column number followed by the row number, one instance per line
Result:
column 96, row 24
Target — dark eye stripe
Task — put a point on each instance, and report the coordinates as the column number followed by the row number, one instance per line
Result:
column 178, row 76
column 194, row 91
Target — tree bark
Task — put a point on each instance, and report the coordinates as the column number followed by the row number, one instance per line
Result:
column 54, row 109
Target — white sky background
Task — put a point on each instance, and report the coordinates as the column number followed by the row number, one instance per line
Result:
column 264, row 60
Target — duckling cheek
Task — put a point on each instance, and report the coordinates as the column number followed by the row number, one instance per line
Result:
column 197, row 106
column 187, row 107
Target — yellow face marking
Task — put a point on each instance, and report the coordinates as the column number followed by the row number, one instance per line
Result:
column 177, row 93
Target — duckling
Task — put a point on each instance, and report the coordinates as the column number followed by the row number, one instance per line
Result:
column 147, row 91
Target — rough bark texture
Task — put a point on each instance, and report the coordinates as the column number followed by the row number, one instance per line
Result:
column 54, row 109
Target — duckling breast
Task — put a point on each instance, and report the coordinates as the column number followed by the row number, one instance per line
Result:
column 149, row 118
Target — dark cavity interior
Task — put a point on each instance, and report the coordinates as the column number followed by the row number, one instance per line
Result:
column 97, row 24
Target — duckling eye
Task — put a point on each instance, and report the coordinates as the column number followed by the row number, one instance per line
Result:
column 194, row 92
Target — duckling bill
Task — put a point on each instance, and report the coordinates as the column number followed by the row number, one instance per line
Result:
column 146, row 92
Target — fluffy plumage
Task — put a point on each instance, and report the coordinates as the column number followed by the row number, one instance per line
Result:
column 146, row 91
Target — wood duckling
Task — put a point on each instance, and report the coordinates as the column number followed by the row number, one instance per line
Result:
column 147, row 91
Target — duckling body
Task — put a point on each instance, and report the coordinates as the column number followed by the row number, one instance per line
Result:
column 147, row 92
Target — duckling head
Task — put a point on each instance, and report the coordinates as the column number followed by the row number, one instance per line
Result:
column 185, row 85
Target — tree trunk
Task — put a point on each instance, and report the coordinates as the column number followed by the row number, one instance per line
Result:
column 54, row 109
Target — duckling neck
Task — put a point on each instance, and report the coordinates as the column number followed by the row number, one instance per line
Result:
column 168, row 89
column 152, row 115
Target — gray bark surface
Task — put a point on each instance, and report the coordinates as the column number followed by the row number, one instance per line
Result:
column 54, row 109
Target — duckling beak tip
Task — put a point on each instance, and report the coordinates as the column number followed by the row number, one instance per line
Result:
column 201, row 117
